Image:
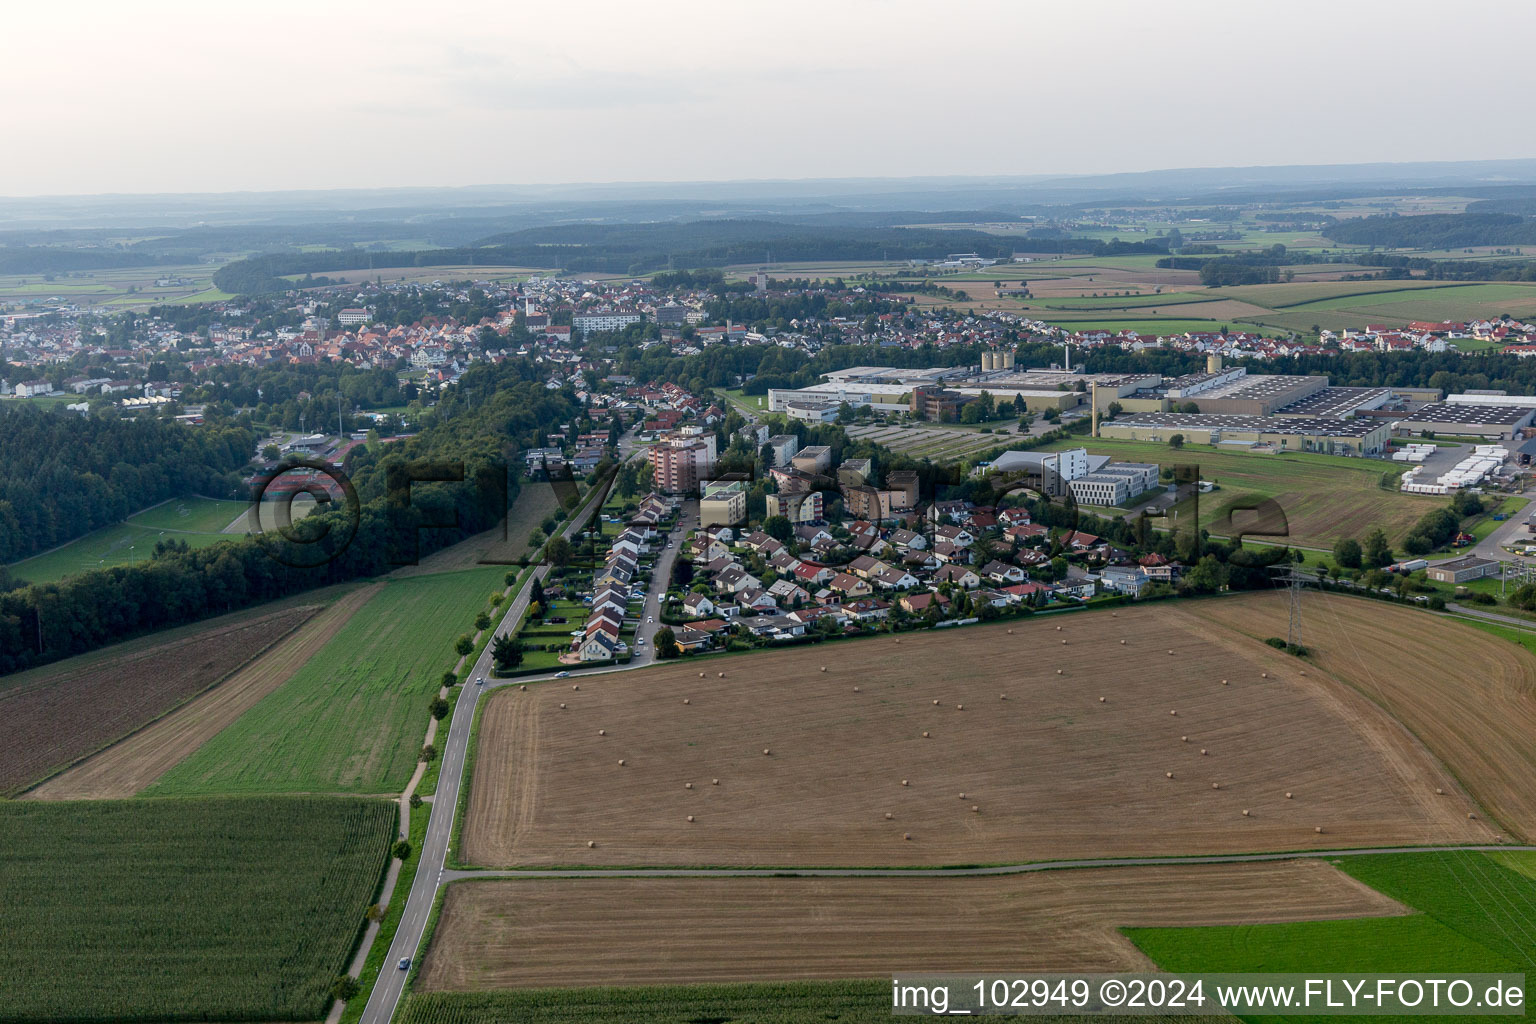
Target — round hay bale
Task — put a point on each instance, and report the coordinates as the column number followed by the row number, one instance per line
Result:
column 1171, row 711
column 1183, row 739
column 1439, row 791
column 701, row 675
column 1203, row 752
column 686, row 701
column 1470, row 815
column 690, row 817
column 935, row 703
column 1302, row 672
column 714, row 782
column 523, row 687
column 1103, row 700
column 1063, row 641
column 1287, row 794
column 621, row 762
column 722, row 675
column 562, row 706
column 602, row 732
column 898, row 639
column 1058, row 629
column 575, row 686
column 1215, row 785
column 925, row 734
column 1245, row 812
column 1318, row 830
column 591, row 845
column 1010, row 632
column 1263, row 675
column 1114, row 615
column 1059, row 672
column 1168, row 775
column 1223, row 682
column 1122, row 643
column 823, row 668
column 975, row 809
column 959, row 707
column 903, row 782
column 765, row 752
column 962, row 796
column 687, row 785
column 1002, row 696
column 906, row 835
column 889, row 815
column 855, row 689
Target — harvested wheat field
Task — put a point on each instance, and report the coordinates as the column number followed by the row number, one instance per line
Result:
column 609, row 931
column 1470, row 696
column 61, row 713
column 814, row 772
column 127, row 767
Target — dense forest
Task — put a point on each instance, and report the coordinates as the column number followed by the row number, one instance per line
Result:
column 1435, row 230
column 63, row 475
column 496, row 411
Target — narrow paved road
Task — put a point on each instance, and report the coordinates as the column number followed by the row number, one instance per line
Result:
column 430, row 872
column 994, row 869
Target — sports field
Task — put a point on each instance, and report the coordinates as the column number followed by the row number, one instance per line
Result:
column 161, row 910
column 1050, row 772
column 1324, row 497
column 351, row 719
column 60, row 713
column 197, row 521
column 558, row 932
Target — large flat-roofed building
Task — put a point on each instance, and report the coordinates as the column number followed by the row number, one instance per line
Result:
column 813, row 459
column 1114, row 484
column 1252, row 394
column 723, row 503
column 1055, row 470
column 597, row 323
column 680, row 462
column 1340, row 402
column 1461, row 570
column 861, row 501
column 782, row 448
column 903, row 487
column 1321, row 434
column 1471, row 419
column 797, row 507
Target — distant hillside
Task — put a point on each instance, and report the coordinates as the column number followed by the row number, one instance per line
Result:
column 1436, row 230
column 642, row 248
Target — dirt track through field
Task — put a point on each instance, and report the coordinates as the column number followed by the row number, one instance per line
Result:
column 127, row 767
column 1470, row 696
column 1052, row 772
column 662, row 931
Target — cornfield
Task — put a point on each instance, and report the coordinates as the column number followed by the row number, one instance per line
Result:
column 184, row 909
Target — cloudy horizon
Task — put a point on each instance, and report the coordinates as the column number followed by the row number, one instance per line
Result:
column 169, row 96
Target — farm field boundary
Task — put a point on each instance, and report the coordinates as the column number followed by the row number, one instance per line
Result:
column 132, row 764
column 62, row 713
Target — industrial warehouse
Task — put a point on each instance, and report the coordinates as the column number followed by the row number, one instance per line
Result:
column 1222, row 405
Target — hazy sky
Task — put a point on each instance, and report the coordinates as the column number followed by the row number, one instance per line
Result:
column 186, row 95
